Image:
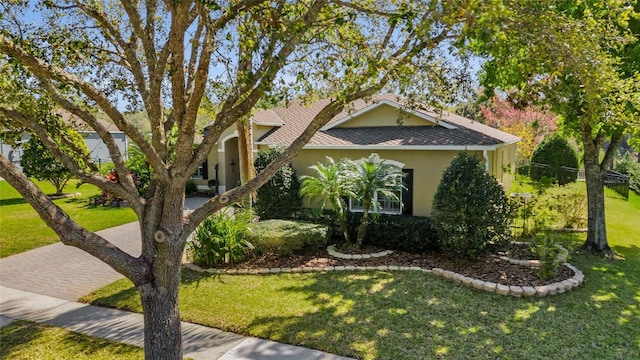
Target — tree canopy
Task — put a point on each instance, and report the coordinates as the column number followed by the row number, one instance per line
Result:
column 573, row 56
column 165, row 58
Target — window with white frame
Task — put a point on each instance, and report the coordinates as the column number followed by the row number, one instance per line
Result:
column 381, row 204
column 199, row 173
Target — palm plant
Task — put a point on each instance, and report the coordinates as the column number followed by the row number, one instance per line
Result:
column 368, row 180
column 329, row 185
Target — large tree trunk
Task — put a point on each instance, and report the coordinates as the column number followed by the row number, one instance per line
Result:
column 162, row 332
column 162, row 251
column 597, row 232
column 595, row 174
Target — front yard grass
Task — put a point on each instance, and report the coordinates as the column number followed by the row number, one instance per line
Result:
column 413, row 315
column 21, row 228
column 28, row 340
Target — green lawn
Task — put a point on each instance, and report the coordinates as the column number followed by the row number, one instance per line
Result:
column 410, row 315
column 28, row 340
column 21, row 228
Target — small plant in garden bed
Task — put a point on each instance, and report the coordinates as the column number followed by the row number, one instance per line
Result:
column 220, row 238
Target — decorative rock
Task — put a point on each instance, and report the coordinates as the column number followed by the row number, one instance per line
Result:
column 477, row 283
column 356, row 256
column 567, row 284
column 502, row 289
column 329, row 268
column 437, row 271
column 254, row 271
column 350, row 267
column 416, row 268
column 366, row 256
column 489, row 286
column 393, row 267
column 542, row 291
column 552, row 289
column 448, row 274
column 383, row 267
column 285, row 270
column 528, row 291
column 264, row 271
column 243, row 271
column 457, row 278
column 212, row 271
column 468, row 281
column 515, row 291
column 232, row 271
column 274, row 270
column 339, row 267
column 427, row 270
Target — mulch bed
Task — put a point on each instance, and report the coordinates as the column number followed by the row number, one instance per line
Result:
column 489, row 268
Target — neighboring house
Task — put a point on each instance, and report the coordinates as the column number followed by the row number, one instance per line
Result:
column 420, row 142
column 97, row 148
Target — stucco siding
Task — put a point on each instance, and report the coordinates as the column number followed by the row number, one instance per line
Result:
column 428, row 167
column 384, row 115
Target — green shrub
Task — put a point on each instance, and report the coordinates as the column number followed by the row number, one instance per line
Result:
column 571, row 205
column 278, row 198
column 470, row 210
column 285, row 237
column 220, row 238
column 408, row 233
column 555, row 152
column 628, row 165
column 550, row 254
column 191, row 188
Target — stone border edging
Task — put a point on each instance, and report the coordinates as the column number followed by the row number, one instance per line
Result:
column 331, row 249
column 487, row 286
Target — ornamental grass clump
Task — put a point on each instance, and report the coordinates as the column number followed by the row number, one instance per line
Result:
column 220, row 238
column 471, row 212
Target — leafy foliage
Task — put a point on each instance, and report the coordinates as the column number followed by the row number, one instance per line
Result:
column 331, row 186
column 191, row 187
column 547, row 249
column 369, row 179
column 220, row 238
column 471, row 212
column 38, row 162
column 556, row 152
column 415, row 234
column 531, row 124
column 629, row 166
column 279, row 197
column 286, row 236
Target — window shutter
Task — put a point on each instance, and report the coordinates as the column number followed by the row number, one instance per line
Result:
column 407, row 194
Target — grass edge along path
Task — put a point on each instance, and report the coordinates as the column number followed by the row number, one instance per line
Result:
column 409, row 315
column 21, row 228
column 29, row 340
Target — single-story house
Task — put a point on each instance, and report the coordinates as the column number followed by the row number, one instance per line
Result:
column 419, row 141
column 97, row 149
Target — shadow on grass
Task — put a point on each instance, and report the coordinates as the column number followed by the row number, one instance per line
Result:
column 16, row 335
column 12, row 201
column 413, row 315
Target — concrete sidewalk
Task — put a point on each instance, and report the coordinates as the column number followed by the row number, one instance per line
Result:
column 42, row 285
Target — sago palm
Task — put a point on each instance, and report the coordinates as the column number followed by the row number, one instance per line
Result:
column 329, row 185
column 369, row 179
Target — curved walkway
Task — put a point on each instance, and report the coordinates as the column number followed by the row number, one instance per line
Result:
column 42, row 285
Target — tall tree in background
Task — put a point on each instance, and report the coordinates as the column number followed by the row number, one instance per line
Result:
column 164, row 58
column 569, row 55
column 531, row 124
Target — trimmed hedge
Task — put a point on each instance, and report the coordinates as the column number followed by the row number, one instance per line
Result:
column 408, row 233
column 285, row 237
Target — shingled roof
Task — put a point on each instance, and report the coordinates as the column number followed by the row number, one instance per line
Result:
column 450, row 131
